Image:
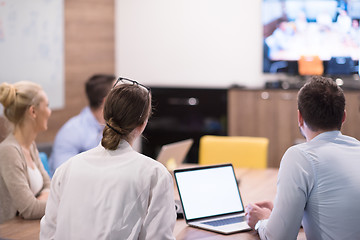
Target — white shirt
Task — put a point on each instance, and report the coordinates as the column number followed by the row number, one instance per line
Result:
column 103, row 194
column 36, row 179
column 318, row 185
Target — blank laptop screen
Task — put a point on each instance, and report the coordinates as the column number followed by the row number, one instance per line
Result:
column 209, row 192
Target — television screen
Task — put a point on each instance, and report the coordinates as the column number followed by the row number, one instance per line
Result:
column 311, row 36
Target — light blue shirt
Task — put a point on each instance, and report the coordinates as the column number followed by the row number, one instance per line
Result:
column 78, row 134
column 318, row 186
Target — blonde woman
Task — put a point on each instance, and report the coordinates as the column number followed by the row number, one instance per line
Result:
column 24, row 183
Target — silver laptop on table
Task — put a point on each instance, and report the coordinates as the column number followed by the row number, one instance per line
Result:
column 211, row 199
column 173, row 154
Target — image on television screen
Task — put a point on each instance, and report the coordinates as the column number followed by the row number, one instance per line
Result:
column 311, row 36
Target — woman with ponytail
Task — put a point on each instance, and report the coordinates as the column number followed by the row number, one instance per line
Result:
column 24, row 183
column 112, row 191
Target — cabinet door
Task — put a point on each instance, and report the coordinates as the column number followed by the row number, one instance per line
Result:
column 288, row 132
column 241, row 113
column 266, row 125
column 278, row 121
column 251, row 114
column 352, row 121
column 262, row 113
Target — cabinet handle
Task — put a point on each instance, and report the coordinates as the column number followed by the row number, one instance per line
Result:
column 265, row 95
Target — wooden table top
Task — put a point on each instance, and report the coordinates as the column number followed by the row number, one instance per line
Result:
column 255, row 185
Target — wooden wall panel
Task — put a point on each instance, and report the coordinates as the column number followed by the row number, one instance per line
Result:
column 89, row 45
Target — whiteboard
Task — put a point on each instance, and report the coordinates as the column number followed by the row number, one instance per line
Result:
column 32, row 45
column 190, row 43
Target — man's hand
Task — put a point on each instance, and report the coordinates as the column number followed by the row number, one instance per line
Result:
column 265, row 204
column 258, row 211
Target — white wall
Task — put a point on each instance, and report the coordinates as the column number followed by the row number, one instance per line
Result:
column 190, row 43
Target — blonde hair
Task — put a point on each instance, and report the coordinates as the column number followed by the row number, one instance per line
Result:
column 17, row 98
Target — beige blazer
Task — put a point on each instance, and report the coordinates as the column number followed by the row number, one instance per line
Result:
column 15, row 193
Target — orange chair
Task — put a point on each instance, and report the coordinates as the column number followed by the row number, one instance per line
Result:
column 310, row 65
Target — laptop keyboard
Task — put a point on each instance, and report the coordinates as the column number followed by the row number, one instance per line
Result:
column 225, row 221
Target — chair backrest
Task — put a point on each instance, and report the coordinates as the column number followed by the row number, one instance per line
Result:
column 44, row 160
column 340, row 65
column 247, row 152
column 310, row 65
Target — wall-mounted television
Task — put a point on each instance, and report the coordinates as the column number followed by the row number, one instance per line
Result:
column 295, row 30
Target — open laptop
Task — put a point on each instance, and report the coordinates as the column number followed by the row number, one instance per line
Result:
column 173, row 154
column 211, row 199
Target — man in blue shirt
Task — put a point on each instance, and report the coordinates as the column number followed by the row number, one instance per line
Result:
column 83, row 131
column 319, row 182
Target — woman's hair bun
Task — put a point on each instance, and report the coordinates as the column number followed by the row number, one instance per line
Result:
column 7, row 94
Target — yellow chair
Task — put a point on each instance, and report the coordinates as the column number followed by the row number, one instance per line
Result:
column 245, row 152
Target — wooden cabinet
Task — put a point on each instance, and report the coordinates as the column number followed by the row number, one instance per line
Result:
column 273, row 114
column 351, row 125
